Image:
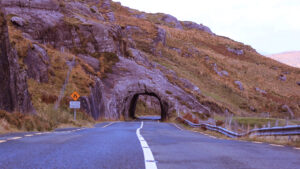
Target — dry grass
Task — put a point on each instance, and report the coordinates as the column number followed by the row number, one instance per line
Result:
column 24, row 122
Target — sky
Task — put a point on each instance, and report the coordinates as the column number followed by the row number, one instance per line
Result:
column 269, row 26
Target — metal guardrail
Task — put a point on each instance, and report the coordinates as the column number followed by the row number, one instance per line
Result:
column 273, row 131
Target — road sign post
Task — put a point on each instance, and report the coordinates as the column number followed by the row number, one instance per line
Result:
column 75, row 104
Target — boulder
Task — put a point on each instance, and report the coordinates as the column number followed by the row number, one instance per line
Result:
column 18, row 21
column 193, row 25
column 161, row 36
column 282, row 77
column 236, row 51
column 220, row 73
column 140, row 16
column 169, row 19
column 239, row 84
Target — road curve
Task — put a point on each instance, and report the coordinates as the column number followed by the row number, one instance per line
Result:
column 117, row 146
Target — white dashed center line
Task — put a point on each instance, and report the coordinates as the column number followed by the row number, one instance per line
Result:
column 276, row 145
column 148, row 156
column 14, row 138
column 28, row 135
column 108, row 124
column 257, row 142
column 2, row 141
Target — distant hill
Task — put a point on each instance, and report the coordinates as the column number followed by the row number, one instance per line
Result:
column 289, row 58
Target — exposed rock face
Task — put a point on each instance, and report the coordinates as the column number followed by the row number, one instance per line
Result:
column 236, row 51
column 13, row 80
column 172, row 20
column 193, row 25
column 161, row 36
column 37, row 62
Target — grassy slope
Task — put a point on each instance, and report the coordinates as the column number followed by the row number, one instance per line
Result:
column 252, row 69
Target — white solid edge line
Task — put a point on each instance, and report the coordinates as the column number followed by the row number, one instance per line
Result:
column 148, row 156
column 177, row 126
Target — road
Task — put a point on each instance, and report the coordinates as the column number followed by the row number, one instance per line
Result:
column 126, row 145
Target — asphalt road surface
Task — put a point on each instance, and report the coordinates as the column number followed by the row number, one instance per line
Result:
column 138, row 145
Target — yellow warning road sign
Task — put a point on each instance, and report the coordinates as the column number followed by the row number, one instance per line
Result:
column 75, row 96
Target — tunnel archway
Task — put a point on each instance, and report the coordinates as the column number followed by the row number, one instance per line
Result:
column 133, row 104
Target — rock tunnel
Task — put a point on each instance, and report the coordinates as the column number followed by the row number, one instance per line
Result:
column 163, row 106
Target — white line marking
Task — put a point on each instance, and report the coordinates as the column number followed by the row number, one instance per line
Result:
column 28, row 135
column 108, row 124
column 296, row 148
column 148, row 156
column 177, row 126
column 38, row 133
column 213, row 137
column 2, row 141
column 14, row 138
column 276, row 145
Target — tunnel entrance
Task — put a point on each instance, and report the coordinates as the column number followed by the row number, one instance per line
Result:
column 147, row 105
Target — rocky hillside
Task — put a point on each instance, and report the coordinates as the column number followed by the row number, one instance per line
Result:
column 111, row 55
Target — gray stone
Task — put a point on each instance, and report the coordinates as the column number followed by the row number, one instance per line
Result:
column 161, row 36
column 111, row 16
column 220, row 73
column 176, row 49
column 93, row 62
column 239, row 84
column 236, row 51
column 253, row 109
column 140, row 16
column 193, row 25
column 260, row 90
column 282, row 78
column 224, row 73
column 172, row 20
column 106, row 4
column 18, row 21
